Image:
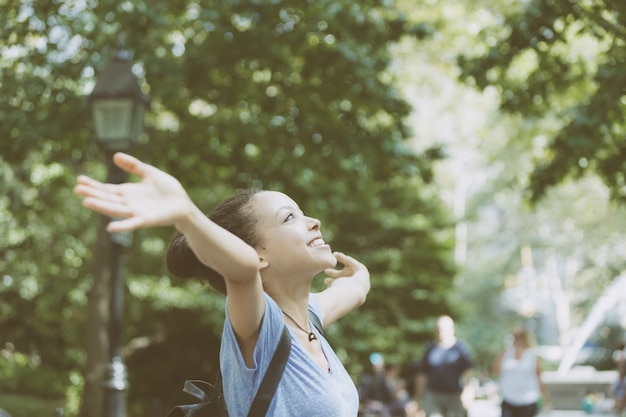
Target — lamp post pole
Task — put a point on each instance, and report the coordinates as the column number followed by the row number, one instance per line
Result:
column 115, row 382
column 118, row 107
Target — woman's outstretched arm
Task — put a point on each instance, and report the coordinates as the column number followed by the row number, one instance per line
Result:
column 159, row 199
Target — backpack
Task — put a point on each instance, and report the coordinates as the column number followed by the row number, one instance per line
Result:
column 211, row 396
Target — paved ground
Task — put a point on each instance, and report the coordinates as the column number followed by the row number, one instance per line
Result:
column 485, row 408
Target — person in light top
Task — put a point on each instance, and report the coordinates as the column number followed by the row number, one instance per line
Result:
column 519, row 372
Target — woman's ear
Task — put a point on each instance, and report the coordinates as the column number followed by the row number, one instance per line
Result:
column 264, row 262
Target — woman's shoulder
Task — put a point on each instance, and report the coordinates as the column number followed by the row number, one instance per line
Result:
column 530, row 353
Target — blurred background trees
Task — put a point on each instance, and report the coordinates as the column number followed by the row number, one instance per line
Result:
column 512, row 180
column 559, row 64
column 436, row 142
column 291, row 97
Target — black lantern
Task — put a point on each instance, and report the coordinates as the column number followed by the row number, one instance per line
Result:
column 118, row 106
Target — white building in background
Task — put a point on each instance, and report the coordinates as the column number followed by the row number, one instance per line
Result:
column 533, row 296
column 540, row 300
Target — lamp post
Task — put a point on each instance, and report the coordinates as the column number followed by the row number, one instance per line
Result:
column 118, row 108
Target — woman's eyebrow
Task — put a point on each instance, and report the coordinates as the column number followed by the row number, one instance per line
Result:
column 287, row 208
column 283, row 208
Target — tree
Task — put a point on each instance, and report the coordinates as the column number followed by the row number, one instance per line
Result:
column 573, row 230
column 561, row 63
column 279, row 94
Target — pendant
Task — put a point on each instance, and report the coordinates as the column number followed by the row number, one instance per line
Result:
column 312, row 337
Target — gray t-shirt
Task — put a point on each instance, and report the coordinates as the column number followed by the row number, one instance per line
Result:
column 305, row 389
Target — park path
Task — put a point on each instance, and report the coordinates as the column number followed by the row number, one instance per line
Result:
column 487, row 408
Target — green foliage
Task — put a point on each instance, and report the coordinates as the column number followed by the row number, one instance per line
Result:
column 562, row 61
column 27, row 406
column 280, row 94
column 573, row 230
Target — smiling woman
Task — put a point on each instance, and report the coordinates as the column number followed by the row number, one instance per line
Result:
column 263, row 252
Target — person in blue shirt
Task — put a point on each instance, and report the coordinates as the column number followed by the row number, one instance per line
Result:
column 444, row 371
column 262, row 251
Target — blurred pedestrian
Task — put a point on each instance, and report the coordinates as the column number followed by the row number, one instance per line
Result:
column 619, row 386
column 376, row 392
column 383, row 393
column 519, row 371
column 444, row 373
column 403, row 404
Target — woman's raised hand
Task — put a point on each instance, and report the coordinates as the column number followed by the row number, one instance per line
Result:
column 157, row 200
column 346, row 288
column 355, row 272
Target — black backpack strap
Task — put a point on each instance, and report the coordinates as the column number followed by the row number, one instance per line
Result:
column 272, row 376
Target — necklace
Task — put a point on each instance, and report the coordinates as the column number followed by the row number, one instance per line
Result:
column 312, row 336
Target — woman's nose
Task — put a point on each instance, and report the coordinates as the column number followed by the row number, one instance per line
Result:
column 315, row 223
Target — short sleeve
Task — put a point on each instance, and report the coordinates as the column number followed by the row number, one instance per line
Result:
column 315, row 307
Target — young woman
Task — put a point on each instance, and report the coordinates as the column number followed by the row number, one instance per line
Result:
column 519, row 372
column 261, row 250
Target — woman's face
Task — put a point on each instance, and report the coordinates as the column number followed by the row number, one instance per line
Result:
column 290, row 241
column 520, row 338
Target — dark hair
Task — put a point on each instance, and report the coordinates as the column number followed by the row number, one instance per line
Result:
column 234, row 215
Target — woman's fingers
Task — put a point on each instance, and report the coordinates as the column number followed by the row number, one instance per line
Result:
column 113, row 208
column 109, row 193
column 124, row 225
column 131, row 164
column 350, row 265
column 157, row 200
column 334, row 273
column 85, row 180
column 85, row 185
column 343, row 258
column 127, row 220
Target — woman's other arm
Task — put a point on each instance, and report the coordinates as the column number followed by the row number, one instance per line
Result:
column 545, row 394
column 496, row 366
column 346, row 289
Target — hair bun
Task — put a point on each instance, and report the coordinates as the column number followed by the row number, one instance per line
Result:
column 180, row 259
column 183, row 263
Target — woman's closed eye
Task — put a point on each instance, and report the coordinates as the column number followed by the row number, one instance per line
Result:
column 292, row 215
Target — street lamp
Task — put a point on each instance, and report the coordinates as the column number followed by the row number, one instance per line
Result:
column 118, row 108
column 118, row 105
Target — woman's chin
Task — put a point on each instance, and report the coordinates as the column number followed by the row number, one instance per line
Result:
column 333, row 261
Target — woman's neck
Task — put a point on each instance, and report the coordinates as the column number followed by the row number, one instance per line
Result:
column 447, row 342
column 295, row 302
